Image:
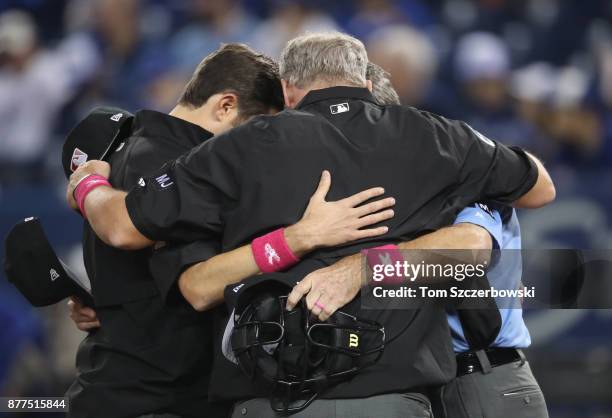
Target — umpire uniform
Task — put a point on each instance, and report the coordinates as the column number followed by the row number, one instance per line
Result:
column 150, row 357
column 259, row 176
column 495, row 380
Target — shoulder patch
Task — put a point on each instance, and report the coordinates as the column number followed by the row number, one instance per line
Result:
column 164, row 181
column 482, row 137
column 486, row 208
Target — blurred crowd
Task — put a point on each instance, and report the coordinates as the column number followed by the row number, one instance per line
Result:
column 536, row 73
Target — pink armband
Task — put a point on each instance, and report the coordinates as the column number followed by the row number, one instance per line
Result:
column 86, row 185
column 272, row 253
column 384, row 255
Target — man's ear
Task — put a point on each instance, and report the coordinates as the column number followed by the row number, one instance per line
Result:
column 286, row 93
column 369, row 85
column 293, row 94
column 226, row 106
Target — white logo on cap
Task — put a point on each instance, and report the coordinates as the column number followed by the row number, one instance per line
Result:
column 120, row 147
column 141, row 182
column 237, row 288
column 31, row 218
column 78, row 159
column 116, row 117
column 339, row 108
column 54, row 275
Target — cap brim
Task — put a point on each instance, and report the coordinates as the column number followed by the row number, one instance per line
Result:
column 122, row 133
column 27, row 250
column 83, row 285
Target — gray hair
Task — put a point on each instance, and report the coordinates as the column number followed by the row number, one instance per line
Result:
column 382, row 89
column 332, row 57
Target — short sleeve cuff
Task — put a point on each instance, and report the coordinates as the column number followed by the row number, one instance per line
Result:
column 168, row 263
column 481, row 215
column 531, row 176
column 132, row 203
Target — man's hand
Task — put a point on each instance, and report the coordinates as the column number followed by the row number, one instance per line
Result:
column 101, row 168
column 329, row 288
column 327, row 224
column 85, row 318
column 323, row 224
column 106, row 210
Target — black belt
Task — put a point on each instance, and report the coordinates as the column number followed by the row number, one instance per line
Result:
column 468, row 362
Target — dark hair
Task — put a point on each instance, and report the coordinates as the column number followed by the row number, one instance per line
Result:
column 238, row 69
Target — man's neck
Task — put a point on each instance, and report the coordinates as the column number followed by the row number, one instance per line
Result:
column 317, row 85
column 186, row 113
column 189, row 114
column 194, row 116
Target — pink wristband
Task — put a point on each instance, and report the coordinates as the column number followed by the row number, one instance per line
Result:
column 272, row 253
column 85, row 186
column 388, row 254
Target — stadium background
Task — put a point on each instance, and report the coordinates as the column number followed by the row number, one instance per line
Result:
column 536, row 73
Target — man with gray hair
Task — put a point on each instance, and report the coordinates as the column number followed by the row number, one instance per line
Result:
column 382, row 89
column 484, row 373
column 258, row 176
column 321, row 60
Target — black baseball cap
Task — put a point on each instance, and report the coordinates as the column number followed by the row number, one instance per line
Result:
column 95, row 136
column 32, row 266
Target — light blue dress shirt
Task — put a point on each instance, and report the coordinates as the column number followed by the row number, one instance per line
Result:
column 505, row 273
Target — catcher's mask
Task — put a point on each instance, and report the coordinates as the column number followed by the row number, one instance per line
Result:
column 299, row 356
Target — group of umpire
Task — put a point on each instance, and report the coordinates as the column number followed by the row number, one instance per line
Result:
column 153, row 352
column 197, row 214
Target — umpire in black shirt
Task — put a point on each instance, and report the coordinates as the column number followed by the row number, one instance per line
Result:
column 259, row 175
column 151, row 357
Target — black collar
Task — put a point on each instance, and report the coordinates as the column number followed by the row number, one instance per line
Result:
column 149, row 123
column 341, row 92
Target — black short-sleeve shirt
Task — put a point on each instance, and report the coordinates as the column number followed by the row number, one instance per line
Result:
column 260, row 175
column 149, row 355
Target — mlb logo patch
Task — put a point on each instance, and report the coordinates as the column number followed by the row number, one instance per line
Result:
column 78, row 159
column 339, row 108
column 116, row 117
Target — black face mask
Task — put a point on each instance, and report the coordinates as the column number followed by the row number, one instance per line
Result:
column 297, row 356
